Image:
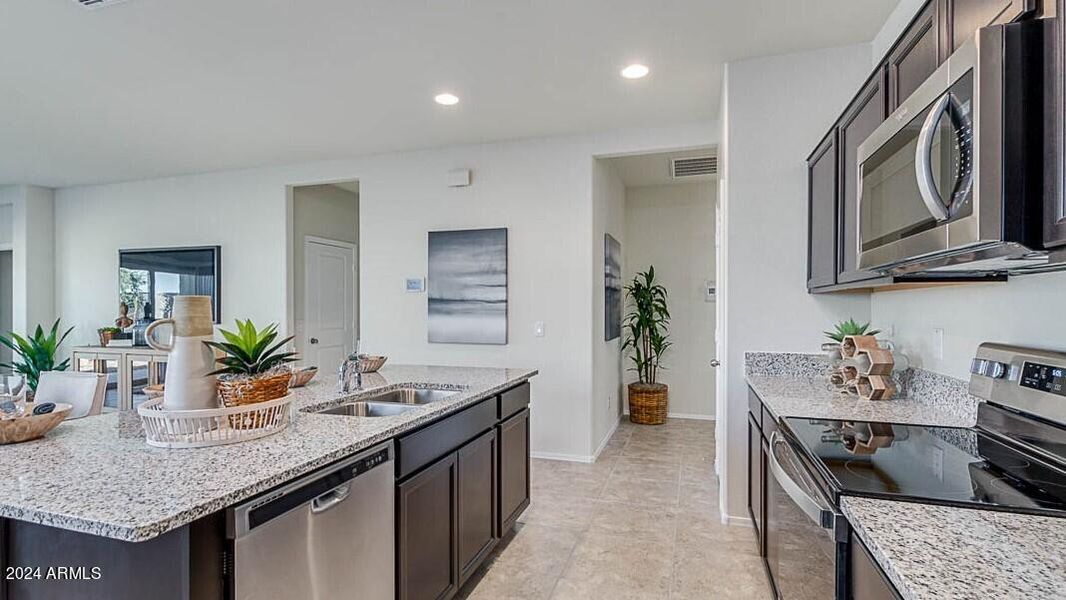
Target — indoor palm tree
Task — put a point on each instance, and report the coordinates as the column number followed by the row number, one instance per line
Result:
column 38, row 353
column 646, row 340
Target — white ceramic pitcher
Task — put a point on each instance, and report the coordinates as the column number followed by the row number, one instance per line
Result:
column 189, row 360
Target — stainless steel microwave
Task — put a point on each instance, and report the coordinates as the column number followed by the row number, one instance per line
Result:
column 952, row 180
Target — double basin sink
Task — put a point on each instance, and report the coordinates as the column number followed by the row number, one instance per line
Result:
column 389, row 403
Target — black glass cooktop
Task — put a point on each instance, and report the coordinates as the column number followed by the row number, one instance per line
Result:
column 930, row 464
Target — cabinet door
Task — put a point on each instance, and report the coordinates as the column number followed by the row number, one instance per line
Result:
column 866, row 580
column 915, row 56
column 822, row 214
column 866, row 112
column 965, row 17
column 477, row 502
column 1055, row 188
column 514, row 469
column 756, row 474
column 427, row 551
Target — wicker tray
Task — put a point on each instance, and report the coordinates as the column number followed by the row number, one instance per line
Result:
column 212, row 426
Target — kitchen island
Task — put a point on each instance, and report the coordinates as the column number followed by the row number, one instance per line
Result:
column 94, row 487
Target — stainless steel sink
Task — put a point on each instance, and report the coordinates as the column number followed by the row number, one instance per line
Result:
column 412, row 396
column 367, row 409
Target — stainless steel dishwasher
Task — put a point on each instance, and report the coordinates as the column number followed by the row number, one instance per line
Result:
column 327, row 536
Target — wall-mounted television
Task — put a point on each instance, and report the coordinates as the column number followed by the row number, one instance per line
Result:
column 150, row 278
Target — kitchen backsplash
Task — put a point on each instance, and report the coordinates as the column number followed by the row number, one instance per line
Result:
column 920, row 385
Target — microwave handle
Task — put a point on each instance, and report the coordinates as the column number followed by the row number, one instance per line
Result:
column 923, row 167
column 815, row 510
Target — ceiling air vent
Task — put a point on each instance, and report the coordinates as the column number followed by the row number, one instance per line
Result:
column 693, row 166
column 98, row 3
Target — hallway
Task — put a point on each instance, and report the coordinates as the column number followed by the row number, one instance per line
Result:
column 641, row 522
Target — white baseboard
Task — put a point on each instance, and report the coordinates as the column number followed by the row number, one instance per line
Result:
column 606, row 438
column 671, row 415
column 738, row 521
column 565, row 457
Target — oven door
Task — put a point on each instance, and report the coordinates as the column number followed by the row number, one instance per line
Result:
column 927, row 173
column 806, row 536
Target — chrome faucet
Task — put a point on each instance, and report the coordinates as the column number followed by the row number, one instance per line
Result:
column 353, row 363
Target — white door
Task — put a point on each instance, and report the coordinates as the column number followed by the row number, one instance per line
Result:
column 329, row 303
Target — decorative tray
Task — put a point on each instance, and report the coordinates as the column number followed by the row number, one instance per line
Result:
column 212, row 426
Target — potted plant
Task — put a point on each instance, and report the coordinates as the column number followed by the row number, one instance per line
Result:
column 646, row 338
column 842, row 330
column 38, row 354
column 106, row 333
column 253, row 366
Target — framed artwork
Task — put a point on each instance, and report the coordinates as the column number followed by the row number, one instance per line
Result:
column 468, row 286
column 612, row 287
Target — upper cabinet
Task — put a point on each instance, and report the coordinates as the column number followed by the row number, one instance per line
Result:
column 866, row 113
column 915, row 56
column 822, row 214
column 1055, row 188
column 961, row 18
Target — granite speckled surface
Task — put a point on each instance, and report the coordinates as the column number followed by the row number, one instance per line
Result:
column 97, row 475
column 944, row 552
column 794, row 385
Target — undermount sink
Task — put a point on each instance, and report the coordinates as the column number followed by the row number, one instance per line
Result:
column 412, row 396
column 367, row 409
column 390, row 403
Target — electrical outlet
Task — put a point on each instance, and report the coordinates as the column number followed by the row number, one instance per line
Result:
column 938, row 343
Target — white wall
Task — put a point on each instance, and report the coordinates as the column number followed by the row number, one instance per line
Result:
column 776, row 111
column 28, row 212
column 324, row 211
column 672, row 228
column 541, row 190
column 608, row 216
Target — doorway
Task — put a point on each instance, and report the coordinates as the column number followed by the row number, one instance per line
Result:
column 325, row 272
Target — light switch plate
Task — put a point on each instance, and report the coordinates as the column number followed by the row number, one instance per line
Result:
column 538, row 329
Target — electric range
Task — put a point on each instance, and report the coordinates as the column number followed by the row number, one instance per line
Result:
column 1013, row 459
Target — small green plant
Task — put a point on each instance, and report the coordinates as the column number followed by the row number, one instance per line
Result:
column 111, row 330
column 38, row 353
column 646, row 325
column 251, row 351
column 849, row 327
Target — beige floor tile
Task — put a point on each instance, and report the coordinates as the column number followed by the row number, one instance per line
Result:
column 699, row 497
column 716, row 569
column 616, row 568
column 698, row 472
column 641, row 492
column 526, row 565
column 559, row 511
column 647, row 468
column 615, row 518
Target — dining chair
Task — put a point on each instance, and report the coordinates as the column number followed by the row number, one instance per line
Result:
column 84, row 391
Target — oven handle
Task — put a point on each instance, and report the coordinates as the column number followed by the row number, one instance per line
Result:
column 923, row 168
column 815, row 510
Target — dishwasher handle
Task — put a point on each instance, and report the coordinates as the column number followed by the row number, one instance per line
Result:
column 331, row 498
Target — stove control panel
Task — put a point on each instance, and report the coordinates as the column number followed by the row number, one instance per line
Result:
column 1026, row 379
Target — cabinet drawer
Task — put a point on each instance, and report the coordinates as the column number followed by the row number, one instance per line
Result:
column 513, row 400
column 755, row 407
column 418, row 449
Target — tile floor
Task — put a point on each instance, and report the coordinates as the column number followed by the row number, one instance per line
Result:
column 641, row 522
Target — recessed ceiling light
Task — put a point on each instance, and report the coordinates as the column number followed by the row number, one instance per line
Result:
column 446, row 99
column 635, row 71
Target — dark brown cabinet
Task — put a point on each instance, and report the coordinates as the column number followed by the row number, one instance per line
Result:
column 514, row 468
column 866, row 580
column 477, row 502
column 427, row 543
column 864, row 115
column 822, row 214
column 756, row 480
column 1055, row 187
column 915, row 56
column 962, row 18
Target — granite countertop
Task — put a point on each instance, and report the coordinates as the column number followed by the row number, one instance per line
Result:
column 940, row 552
column 803, row 396
column 97, row 475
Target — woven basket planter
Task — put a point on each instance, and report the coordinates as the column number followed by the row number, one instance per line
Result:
column 648, row 403
column 241, row 391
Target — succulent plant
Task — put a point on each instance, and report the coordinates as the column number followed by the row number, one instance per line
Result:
column 251, row 351
column 38, row 353
column 849, row 327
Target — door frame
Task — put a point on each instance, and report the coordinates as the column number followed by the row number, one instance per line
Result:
column 354, row 250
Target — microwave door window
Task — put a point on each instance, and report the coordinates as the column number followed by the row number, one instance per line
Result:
column 892, row 207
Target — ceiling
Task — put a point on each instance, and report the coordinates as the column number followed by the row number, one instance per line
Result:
column 148, row 88
column 654, row 169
